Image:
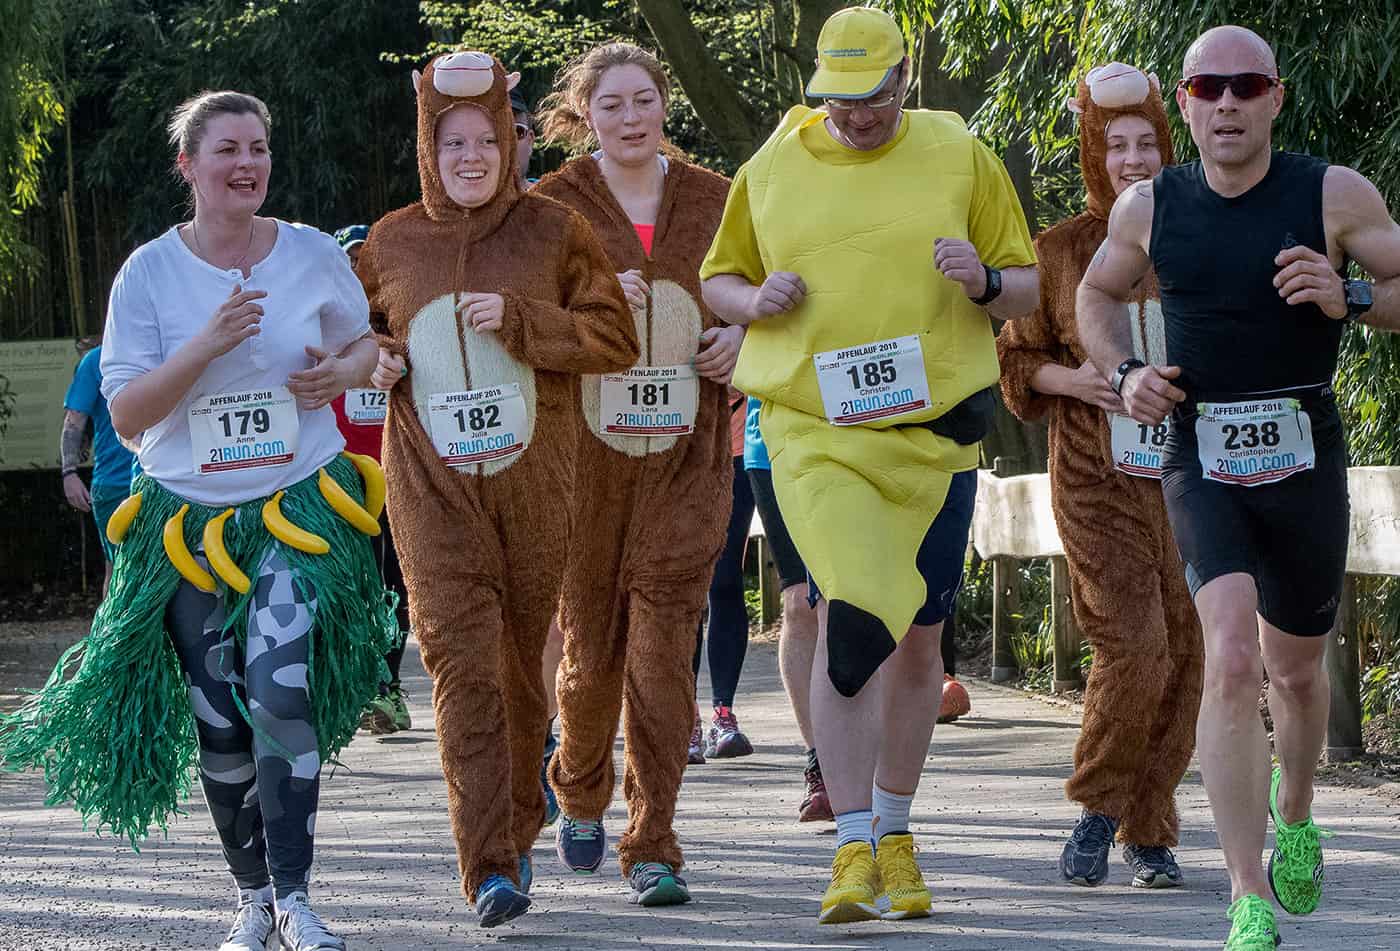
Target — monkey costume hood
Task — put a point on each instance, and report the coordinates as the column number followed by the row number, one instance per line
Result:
column 1126, row 579
column 481, row 533
column 650, row 520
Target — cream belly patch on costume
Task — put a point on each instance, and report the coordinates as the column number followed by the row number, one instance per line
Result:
column 448, row 358
column 676, row 325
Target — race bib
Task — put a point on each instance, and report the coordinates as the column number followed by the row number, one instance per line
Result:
column 366, row 407
column 1137, row 447
column 249, row 430
column 649, row 401
column 475, row 426
column 872, row 382
column 1254, row 443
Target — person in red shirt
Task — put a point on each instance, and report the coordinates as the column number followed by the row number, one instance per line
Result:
column 359, row 413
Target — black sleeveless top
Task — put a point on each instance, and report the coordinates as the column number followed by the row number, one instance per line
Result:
column 1226, row 325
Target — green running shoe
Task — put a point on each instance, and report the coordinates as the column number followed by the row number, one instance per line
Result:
column 386, row 713
column 1295, row 868
column 1253, row 927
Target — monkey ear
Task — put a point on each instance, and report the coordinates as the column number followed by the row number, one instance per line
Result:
column 1156, row 83
column 512, row 80
column 1072, row 104
column 417, row 83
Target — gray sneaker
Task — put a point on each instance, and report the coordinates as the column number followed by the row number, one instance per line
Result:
column 252, row 925
column 301, row 929
column 653, row 884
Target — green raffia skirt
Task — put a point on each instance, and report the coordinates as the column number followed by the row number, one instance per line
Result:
column 112, row 728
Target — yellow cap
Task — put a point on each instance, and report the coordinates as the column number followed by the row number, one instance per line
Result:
column 857, row 50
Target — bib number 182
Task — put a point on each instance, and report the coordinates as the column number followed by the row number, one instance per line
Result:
column 478, row 418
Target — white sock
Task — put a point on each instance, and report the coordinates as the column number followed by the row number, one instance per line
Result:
column 853, row 826
column 891, row 811
column 262, row 896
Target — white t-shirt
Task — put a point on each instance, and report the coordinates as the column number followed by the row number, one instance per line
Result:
column 165, row 294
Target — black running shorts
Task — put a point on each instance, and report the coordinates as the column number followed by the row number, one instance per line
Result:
column 1290, row 536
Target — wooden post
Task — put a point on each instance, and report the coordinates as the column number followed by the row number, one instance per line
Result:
column 1068, row 638
column 1344, row 740
column 1006, row 603
column 770, row 593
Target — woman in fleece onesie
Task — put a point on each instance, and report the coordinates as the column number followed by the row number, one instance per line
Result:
column 1126, row 578
column 496, row 298
column 653, row 495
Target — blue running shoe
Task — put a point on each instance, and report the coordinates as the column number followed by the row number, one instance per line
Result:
column 527, row 873
column 1085, row 857
column 581, row 844
column 498, row 901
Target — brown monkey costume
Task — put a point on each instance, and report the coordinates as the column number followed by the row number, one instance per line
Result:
column 1126, row 578
column 650, row 520
column 482, row 545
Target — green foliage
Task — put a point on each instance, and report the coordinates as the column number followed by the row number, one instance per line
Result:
column 1340, row 70
column 30, row 109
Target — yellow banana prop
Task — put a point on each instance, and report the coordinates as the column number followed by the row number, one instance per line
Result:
column 218, row 555
column 346, row 507
column 122, row 518
column 373, row 477
column 174, row 540
column 289, row 534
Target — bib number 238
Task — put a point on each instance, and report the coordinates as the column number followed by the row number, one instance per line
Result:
column 1254, row 443
column 872, row 382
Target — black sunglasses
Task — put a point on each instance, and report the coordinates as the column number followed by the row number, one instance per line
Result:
column 522, row 129
column 1210, row 86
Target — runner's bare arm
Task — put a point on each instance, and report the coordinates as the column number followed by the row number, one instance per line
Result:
column 1356, row 217
column 1101, row 307
column 736, row 301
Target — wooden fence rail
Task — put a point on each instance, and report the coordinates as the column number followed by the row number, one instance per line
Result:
column 1014, row 521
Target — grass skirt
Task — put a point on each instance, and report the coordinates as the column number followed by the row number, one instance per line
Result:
column 113, row 729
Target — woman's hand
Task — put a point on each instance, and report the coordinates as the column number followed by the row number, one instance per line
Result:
column 484, row 311
column 389, row 371
column 322, row 383
column 719, row 351
column 635, row 289
column 237, row 319
column 1088, row 385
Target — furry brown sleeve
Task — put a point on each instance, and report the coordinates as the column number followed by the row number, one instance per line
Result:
column 593, row 332
column 1025, row 345
column 367, row 270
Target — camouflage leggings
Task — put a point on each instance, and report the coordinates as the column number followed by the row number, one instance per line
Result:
column 263, row 805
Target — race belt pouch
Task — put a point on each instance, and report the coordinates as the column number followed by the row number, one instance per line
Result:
column 968, row 422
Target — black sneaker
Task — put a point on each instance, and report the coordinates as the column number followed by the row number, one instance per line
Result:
column 581, row 844
column 655, row 883
column 1085, row 858
column 1153, row 866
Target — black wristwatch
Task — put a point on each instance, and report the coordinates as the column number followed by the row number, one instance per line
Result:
column 1359, row 299
column 1120, row 374
column 993, row 290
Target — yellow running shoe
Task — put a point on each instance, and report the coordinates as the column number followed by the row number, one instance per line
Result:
column 905, row 894
column 855, row 881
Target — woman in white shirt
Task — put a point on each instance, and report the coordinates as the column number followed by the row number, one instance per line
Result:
column 243, row 472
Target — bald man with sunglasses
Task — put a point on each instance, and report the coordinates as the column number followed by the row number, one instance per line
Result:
column 1250, row 247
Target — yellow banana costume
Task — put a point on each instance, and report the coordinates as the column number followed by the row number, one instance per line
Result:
column 113, row 729
column 859, row 499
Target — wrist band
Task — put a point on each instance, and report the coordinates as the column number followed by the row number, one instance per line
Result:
column 67, row 472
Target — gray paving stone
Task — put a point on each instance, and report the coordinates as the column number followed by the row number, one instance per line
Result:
column 990, row 819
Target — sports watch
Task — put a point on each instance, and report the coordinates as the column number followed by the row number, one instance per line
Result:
column 1359, row 300
column 1120, row 374
column 993, row 290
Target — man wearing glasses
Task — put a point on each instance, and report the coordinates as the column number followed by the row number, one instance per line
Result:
column 1249, row 246
column 864, row 246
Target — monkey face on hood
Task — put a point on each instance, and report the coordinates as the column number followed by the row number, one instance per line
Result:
column 476, row 80
column 1107, row 92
